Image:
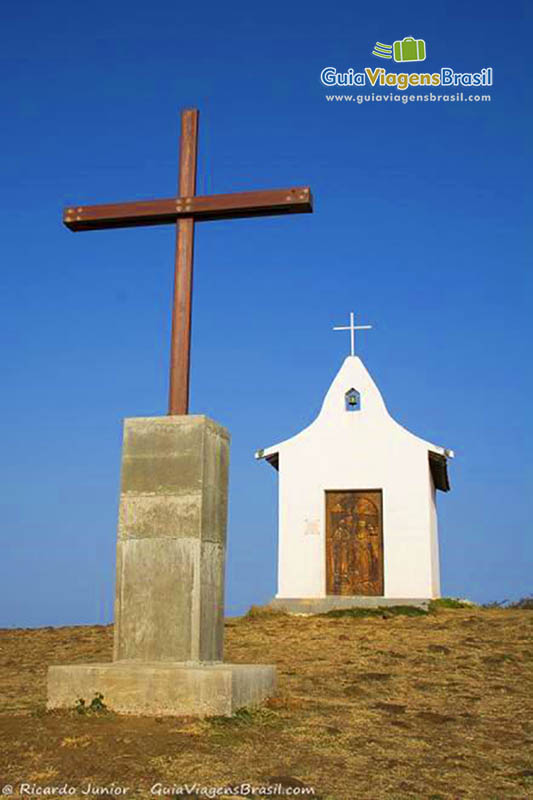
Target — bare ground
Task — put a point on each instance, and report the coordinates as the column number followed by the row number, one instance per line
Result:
column 424, row 708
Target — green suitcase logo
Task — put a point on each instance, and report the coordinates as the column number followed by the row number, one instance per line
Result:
column 409, row 49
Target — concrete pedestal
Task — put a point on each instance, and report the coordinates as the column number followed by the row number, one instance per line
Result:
column 163, row 688
column 169, row 606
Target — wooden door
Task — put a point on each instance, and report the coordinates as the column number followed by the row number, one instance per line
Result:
column 354, row 543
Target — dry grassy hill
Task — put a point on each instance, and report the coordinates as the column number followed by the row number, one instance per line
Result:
column 430, row 707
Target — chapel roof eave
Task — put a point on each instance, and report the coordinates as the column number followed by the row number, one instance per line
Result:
column 270, row 454
column 438, row 466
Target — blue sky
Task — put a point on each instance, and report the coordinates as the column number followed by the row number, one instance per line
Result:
column 419, row 226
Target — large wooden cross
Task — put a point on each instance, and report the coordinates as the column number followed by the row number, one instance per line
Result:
column 183, row 211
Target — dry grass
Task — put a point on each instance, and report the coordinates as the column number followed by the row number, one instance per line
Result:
column 436, row 707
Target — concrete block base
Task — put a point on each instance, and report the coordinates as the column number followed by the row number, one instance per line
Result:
column 163, row 688
column 321, row 605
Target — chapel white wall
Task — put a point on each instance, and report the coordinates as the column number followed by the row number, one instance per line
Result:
column 362, row 450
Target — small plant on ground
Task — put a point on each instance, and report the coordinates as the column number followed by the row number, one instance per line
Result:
column 96, row 706
column 449, row 602
column 244, row 717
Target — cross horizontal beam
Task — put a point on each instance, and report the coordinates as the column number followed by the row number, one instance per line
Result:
column 271, row 202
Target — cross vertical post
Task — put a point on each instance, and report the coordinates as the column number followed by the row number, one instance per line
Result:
column 180, row 344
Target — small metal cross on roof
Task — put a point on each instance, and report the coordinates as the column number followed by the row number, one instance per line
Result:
column 352, row 327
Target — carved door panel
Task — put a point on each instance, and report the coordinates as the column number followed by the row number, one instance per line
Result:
column 354, row 543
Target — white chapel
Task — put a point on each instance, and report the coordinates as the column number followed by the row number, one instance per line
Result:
column 357, row 503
